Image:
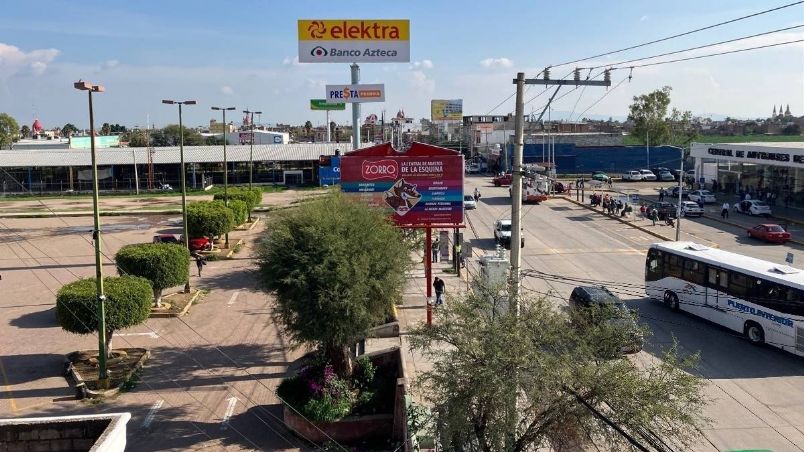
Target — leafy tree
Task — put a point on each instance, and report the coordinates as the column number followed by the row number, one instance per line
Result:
column 163, row 264
column 252, row 198
column 25, row 131
column 138, row 139
column 502, row 382
column 652, row 123
column 106, row 129
column 308, row 126
column 209, row 219
column 68, row 130
column 128, row 303
column 9, row 130
column 214, row 141
column 170, row 136
column 337, row 267
column 239, row 210
column 792, row 129
column 117, row 128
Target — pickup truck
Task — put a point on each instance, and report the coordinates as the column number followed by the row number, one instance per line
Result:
column 502, row 180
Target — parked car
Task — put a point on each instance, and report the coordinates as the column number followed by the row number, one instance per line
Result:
column 633, row 176
column 196, row 243
column 502, row 180
column 166, row 238
column 691, row 209
column 469, row 202
column 659, row 170
column 665, row 208
column 705, row 195
column 502, row 233
column 753, row 207
column 674, row 192
column 772, row 233
column 473, row 168
column 665, row 176
column 647, row 174
column 590, row 305
column 601, row 177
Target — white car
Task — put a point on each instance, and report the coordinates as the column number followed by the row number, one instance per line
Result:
column 753, row 207
column 691, row 209
column 502, row 233
column 634, row 176
column 647, row 174
column 473, row 168
column 469, row 202
column 705, row 195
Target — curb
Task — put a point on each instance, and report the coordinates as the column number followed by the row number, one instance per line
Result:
column 164, row 315
column 720, row 220
column 614, row 217
column 82, row 392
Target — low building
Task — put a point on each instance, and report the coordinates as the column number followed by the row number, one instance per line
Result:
column 260, row 137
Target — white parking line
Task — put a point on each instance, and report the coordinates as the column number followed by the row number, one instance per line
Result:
column 232, row 298
column 150, row 334
column 229, row 410
column 152, row 413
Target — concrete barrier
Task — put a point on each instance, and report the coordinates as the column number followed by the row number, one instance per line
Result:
column 99, row 433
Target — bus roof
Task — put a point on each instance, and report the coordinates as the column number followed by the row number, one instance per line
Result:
column 771, row 271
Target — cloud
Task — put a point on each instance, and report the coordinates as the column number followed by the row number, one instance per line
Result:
column 110, row 64
column 423, row 64
column 643, row 18
column 288, row 61
column 420, row 80
column 227, row 90
column 496, row 63
column 14, row 61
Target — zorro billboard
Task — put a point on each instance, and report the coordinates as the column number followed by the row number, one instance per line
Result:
column 416, row 190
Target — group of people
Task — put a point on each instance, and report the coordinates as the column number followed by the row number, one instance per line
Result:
column 610, row 205
column 652, row 214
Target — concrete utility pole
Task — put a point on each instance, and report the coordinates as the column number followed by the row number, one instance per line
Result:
column 225, row 165
column 516, row 181
column 680, row 188
column 355, row 110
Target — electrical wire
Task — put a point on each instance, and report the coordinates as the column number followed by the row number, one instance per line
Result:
column 603, row 96
column 693, row 48
column 681, row 34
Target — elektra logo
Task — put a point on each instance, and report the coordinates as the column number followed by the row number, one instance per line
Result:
column 317, row 29
column 382, row 169
column 319, row 51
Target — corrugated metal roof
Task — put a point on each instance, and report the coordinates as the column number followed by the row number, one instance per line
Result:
column 167, row 155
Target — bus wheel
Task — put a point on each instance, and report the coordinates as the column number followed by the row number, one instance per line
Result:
column 672, row 300
column 754, row 333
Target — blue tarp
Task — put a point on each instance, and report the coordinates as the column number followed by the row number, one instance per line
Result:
column 572, row 159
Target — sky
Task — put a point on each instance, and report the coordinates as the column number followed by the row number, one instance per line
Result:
column 244, row 54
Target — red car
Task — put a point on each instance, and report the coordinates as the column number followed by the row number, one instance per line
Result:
column 502, row 180
column 770, row 233
column 196, row 243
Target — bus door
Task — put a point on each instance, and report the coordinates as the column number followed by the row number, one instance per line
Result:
column 717, row 282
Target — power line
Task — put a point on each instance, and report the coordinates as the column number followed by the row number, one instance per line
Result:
column 603, row 97
column 681, row 34
column 694, row 48
column 709, row 55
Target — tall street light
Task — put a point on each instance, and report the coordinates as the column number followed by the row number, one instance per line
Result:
column 251, row 151
column 225, row 165
column 183, row 184
column 103, row 377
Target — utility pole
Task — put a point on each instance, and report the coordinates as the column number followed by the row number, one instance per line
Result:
column 251, row 152
column 516, row 182
column 225, row 166
column 136, row 175
column 355, row 110
column 680, row 185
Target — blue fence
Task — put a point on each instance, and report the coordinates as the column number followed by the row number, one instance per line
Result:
column 572, row 159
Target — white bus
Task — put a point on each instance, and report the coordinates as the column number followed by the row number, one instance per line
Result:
column 760, row 299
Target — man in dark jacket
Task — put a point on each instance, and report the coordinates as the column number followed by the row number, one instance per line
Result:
column 438, row 285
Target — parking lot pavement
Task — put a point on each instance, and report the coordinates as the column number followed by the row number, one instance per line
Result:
column 227, row 348
column 757, row 393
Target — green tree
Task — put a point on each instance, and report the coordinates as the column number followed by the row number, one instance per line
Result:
column 25, row 131
column 170, row 136
column 502, row 382
column 337, row 268
column 252, row 198
column 106, row 129
column 648, row 113
column 209, row 219
column 117, row 128
column 308, row 126
column 239, row 210
column 9, row 130
column 68, row 130
column 138, row 139
column 128, row 303
column 163, row 264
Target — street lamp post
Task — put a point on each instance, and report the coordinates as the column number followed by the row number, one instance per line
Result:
column 225, row 166
column 183, row 184
column 251, row 153
column 103, row 377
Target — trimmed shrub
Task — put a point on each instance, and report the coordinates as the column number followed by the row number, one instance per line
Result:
column 128, row 303
column 239, row 210
column 252, row 197
column 164, row 264
column 209, row 219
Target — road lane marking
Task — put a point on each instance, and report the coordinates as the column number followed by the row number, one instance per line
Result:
column 229, row 410
column 150, row 334
column 232, row 298
column 152, row 413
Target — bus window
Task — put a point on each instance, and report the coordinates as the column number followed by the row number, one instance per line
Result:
column 739, row 285
column 673, row 265
column 693, row 271
column 653, row 267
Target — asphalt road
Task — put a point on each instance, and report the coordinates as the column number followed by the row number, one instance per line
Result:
column 757, row 393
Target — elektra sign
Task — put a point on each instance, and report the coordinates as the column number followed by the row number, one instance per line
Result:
column 354, row 41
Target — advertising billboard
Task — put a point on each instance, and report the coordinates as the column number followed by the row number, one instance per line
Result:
column 322, row 104
column 354, row 41
column 446, row 109
column 416, row 191
column 351, row 94
column 330, row 174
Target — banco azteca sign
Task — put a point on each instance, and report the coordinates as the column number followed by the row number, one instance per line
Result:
column 354, row 41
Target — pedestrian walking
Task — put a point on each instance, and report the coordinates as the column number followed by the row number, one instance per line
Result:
column 438, row 286
column 200, row 262
column 477, row 194
column 700, row 203
column 654, row 215
column 661, row 194
column 724, row 210
column 436, row 244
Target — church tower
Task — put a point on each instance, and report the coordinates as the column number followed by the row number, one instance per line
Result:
column 787, row 112
column 774, row 112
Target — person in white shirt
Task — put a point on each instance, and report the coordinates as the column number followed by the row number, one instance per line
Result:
column 724, row 211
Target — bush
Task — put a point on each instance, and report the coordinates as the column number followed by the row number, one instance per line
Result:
column 252, row 197
column 240, row 211
column 318, row 394
column 128, row 303
column 163, row 264
column 364, row 372
column 209, row 219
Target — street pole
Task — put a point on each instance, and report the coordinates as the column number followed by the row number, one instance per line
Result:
column 647, row 147
column 251, row 153
column 329, row 132
column 103, row 376
column 225, row 167
column 680, row 179
column 516, row 194
column 136, row 175
column 355, row 110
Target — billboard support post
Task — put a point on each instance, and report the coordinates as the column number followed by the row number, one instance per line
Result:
column 329, row 132
column 355, row 109
column 428, row 271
